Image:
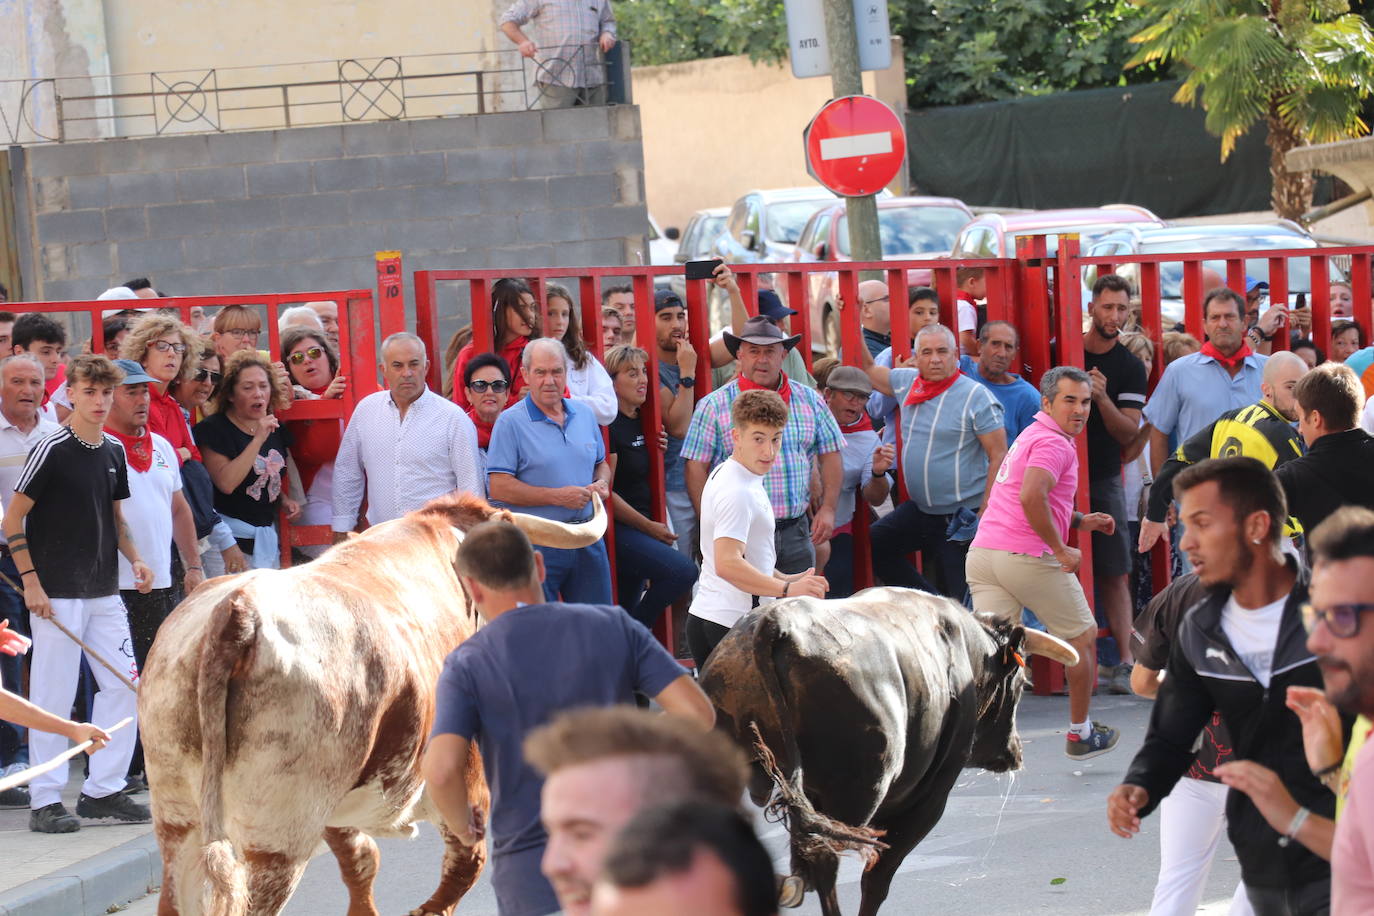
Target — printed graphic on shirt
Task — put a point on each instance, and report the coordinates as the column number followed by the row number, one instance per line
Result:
column 268, row 471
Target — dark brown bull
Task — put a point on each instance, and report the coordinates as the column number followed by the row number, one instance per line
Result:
column 282, row 707
column 863, row 711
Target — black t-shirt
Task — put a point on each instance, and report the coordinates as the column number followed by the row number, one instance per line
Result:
column 256, row 498
column 632, row 463
column 71, row 528
column 1126, row 385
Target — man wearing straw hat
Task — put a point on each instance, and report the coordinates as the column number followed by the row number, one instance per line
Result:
column 811, row 433
column 65, row 532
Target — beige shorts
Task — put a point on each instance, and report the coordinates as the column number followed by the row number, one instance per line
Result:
column 1002, row 583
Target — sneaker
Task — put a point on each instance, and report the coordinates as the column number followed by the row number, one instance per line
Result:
column 135, row 785
column 1120, row 683
column 118, row 806
column 53, row 818
column 1100, row 740
column 791, row 891
column 18, row 797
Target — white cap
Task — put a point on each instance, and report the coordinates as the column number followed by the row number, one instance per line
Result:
column 118, row 292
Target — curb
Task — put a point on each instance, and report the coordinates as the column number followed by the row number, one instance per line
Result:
column 92, row 886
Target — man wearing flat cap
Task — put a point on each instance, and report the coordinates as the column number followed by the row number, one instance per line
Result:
column 811, row 434
column 866, row 466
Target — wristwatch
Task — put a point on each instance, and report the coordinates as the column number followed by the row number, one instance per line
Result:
column 687, row 382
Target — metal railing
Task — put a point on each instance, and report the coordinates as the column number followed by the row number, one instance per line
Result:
column 59, row 109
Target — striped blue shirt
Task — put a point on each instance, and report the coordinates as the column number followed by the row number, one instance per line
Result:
column 944, row 465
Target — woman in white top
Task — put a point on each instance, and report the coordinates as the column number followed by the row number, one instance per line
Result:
column 588, row 381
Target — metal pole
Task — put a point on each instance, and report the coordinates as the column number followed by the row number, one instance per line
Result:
column 847, row 79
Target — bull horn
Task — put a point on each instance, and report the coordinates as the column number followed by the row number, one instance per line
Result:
column 544, row 532
column 1052, row 647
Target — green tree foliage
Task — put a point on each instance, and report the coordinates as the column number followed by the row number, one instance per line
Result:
column 1304, row 67
column 957, row 51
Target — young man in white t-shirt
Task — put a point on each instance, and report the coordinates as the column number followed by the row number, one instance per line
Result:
column 737, row 528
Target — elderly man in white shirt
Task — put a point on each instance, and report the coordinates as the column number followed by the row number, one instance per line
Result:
column 404, row 446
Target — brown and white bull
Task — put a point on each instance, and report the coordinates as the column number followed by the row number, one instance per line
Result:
column 279, row 708
column 862, row 711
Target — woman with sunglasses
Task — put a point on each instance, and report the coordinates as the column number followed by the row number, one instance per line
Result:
column 514, row 321
column 314, row 370
column 587, row 378
column 486, row 380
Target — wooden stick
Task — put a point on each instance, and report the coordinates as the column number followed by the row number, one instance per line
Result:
column 76, row 639
column 18, row 779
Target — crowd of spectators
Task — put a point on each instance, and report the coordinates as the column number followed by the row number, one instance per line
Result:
column 949, row 455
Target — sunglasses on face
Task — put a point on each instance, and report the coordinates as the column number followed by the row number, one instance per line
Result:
column 163, row 346
column 499, row 386
column 1343, row 620
column 301, row 356
column 203, row 374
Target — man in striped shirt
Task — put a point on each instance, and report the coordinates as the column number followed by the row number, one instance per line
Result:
column 811, row 433
column 953, row 440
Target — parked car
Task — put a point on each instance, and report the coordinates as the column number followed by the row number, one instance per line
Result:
column 993, row 235
column 908, row 227
column 697, row 243
column 1281, row 234
column 662, row 245
column 764, row 226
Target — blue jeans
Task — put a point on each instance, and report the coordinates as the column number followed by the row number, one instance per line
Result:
column 14, row 739
column 907, row 529
column 639, row 557
column 580, row 575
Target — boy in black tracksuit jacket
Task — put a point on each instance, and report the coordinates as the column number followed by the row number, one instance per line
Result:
column 1205, row 673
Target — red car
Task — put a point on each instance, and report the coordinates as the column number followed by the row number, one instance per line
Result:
column 909, row 227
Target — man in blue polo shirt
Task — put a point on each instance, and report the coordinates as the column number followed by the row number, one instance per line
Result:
column 531, row 661
column 547, row 458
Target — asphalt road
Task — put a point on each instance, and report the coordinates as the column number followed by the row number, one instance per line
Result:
column 1031, row 842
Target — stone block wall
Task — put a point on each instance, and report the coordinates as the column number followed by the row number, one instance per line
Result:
column 305, row 208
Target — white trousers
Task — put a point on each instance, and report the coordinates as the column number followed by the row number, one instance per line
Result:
column 103, row 625
column 1192, row 821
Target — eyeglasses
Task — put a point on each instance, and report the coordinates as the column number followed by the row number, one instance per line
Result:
column 301, row 356
column 243, row 334
column 163, row 346
column 203, row 374
column 1343, row 620
column 879, row 299
column 481, row 387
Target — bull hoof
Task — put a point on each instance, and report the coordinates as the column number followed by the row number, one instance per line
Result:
column 791, row 891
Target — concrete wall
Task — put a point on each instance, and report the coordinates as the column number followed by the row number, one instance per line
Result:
column 717, row 128
column 306, row 208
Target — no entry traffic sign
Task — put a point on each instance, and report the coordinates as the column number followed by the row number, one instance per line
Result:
column 855, row 145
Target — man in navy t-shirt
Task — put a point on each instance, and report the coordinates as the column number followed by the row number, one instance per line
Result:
column 531, row 661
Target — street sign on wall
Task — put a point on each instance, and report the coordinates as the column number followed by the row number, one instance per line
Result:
column 806, row 40
column 855, row 145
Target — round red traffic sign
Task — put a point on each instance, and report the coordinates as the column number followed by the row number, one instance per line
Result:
column 855, row 145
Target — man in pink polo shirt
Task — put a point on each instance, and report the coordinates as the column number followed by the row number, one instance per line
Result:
column 1019, row 557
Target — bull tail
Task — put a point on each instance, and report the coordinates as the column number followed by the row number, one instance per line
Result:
column 814, row 835
column 217, row 877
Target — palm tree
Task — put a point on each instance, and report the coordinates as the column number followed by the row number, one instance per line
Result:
column 1303, row 66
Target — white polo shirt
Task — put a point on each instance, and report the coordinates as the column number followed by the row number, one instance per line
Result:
column 15, row 445
column 148, row 513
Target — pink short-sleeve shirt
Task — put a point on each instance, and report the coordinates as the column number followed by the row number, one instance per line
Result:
column 1041, row 445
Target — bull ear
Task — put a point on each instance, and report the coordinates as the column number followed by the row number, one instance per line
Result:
column 1011, row 649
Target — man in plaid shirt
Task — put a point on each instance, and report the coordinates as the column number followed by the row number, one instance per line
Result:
column 811, row 433
column 563, row 39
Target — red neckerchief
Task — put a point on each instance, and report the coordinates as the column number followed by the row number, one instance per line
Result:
column 483, row 428
column 965, row 296
column 923, row 390
column 859, row 425
column 784, row 389
column 1230, row 362
column 138, row 450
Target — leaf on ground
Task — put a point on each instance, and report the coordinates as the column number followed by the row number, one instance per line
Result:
column 1054, row 882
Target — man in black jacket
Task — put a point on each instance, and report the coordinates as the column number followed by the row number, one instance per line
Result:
column 1237, row 652
column 1338, row 469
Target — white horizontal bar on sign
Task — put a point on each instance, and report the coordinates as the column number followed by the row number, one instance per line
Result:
column 856, row 145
